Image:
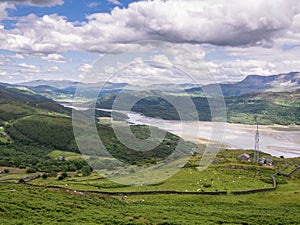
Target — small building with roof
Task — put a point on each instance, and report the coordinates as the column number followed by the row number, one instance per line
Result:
column 244, row 157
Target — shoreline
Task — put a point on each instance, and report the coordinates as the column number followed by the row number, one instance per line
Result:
column 277, row 140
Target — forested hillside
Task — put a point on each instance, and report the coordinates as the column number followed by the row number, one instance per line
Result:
column 34, row 127
column 268, row 107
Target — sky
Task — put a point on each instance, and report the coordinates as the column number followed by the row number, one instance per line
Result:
column 70, row 39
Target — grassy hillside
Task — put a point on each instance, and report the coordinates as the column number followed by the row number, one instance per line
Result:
column 56, row 132
column 48, row 206
column 31, row 127
column 127, row 155
column 23, row 204
column 270, row 108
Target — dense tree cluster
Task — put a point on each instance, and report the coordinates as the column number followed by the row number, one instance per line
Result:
column 50, row 131
column 36, row 159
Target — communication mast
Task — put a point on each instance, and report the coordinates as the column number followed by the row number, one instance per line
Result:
column 256, row 148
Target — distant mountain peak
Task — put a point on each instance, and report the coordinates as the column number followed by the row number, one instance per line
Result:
column 281, row 82
column 284, row 82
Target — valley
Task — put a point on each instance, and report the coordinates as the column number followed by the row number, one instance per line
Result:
column 149, row 112
column 40, row 161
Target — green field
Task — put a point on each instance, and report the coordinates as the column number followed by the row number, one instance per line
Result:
column 74, row 204
column 226, row 175
column 4, row 137
column 189, row 179
column 67, row 155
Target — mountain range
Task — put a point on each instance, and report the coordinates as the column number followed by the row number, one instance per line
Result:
column 60, row 84
column 275, row 99
column 284, row 82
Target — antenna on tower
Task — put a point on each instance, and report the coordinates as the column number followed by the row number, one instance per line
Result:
column 256, row 148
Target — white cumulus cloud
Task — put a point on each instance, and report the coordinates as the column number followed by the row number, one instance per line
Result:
column 55, row 58
column 85, row 68
column 216, row 22
column 251, row 32
column 29, row 68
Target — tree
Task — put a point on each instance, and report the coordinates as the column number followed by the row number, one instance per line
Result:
column 86, row 170
column 72, row 167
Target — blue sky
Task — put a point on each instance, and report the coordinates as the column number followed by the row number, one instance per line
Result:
column 74, row 10
column 63, row 39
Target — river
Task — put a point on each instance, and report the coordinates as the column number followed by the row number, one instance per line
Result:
column 275, row 140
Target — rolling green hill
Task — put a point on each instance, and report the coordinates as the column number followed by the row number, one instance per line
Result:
column 37, row 126
column 270, row 108
column 87, row 199
column 56, row 132
column 16, row 102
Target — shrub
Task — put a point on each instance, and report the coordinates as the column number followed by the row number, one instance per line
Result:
column 207, row 185
column 45, row 176
column 52, row 174
column 72, row 167
column 31, row 170
column 64, row 175
column 86, row 170
column 21, row 181
column 6, row 171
